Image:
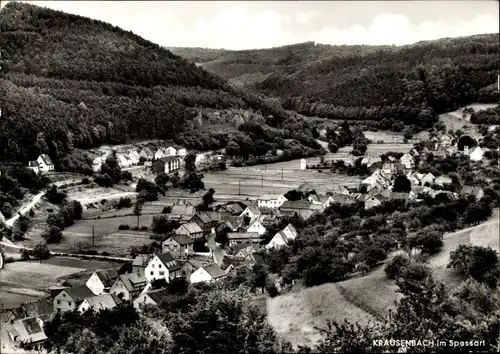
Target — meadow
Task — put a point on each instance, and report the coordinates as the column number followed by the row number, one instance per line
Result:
column 365, row 298
column 460, row 120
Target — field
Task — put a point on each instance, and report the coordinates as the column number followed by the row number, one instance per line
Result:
column 460, row 120
column 388, row 137
column 364, row 298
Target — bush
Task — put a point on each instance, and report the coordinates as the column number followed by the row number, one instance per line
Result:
column 103, row 201
column 125, row 176
column 25, row 254
column 52, row 235
column 167, row 210
column 124, row 202
column 103, row 180
column 144, row 228
column 123, row 227
column 86, row 180
column 32, row 213
column 40, row 251
column 396, row 266
column 105, row 253
column 50, row 210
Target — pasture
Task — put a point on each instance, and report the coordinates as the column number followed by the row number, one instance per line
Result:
column 460, row 120
column 364, row 298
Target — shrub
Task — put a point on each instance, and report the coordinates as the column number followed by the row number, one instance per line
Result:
column 167, row 210
column 50, row 210
column 86, row 180
column 25, row 254
column 105, row 253
column 396, row 266
column 124, row 202
column 32, row 213
column 52, row 235
column 40, row 251
column 144, row 228
column 123, row 227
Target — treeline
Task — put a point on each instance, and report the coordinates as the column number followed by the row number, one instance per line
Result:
column 69, row 83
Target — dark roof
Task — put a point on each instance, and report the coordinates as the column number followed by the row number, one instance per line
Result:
column 182, row 239
column 107, row 277
column 46, row 159
column 133, row 281
column 33, row 164
column 40, row 307
column 191, row 227
column 183, row 210
column 168, row 158
column 79, row 293
column 169, row 261
column 296, row 204
column 233, row 208
column 158, row 295
column 208, row 216
column 214, row 270
column 258, row 259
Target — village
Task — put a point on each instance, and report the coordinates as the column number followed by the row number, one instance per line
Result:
column 143, row 279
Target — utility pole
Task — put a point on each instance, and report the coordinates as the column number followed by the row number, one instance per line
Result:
column 262, row 181
column 93, row 236
column 40, row 249
column 282, row 173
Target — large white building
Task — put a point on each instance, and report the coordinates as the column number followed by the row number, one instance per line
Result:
column 162, row 266
column 271, row 201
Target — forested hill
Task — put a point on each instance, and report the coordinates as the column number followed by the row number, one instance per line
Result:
column 365, row 82
column 71, row 82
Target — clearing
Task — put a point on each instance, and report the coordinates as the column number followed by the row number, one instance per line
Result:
column 364, row 298
column 460, row 120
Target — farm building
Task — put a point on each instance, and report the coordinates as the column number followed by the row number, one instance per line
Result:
column 99, row 302
column 283, row 237
column 189, row 266
column 474, row 191
column 69, row 299
column 182, row 213
column 230, row 208
column 252, row 211
column 191, row 229
column 374, row 201
column 161, row 152
column 243, row 237
column 302, row 208
column 27, row 330
column 133, row 157
column 166, row 164
column 100, row 282
column 181, row 246
column 128, row 286
column 208, row 273
column 140, row 263
column 206, row 220
column 122, row 160
column 256, row 226
column 270, row 200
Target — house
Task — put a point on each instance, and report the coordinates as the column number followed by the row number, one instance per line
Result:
column 474, row 191
column 161, row 152
column 27, row 330
column 476, row 154
column 42, row 309
column 128, row 286
column 34, row 166
column 180, row 246
column 389, row 168
column 242, row 237
column 283, row 237
column 241, row 250
column 231, row 208
column 427, row 178
column 340, row 189
column 443, row 180
column 45, row 164
column 97, row 163
column 134, row 157
column 207, row 273
column 206, row 220
column 349, row 161
column 100, row 282
column 166, row 164
column 339, row 198
column 146, row 153
column 163, row 266
column 270, row 200
column 69, row 299
column 251, row 211
column 181, row 152
column 189, row 266
column 407, row 160
column 415, row 178
column 232, row 222
column 445, row 140
column 171, row 151
column 374, row 201
column 376, row 178
column 190, row 229
column 256, row 225
column 99, row 302
column 302, row 208
column 182, row 213
column 140, row 263
column 152, row 297
column 122, row 160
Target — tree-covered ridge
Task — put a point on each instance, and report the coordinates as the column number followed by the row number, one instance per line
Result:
column 366, row 82
column 70, row 82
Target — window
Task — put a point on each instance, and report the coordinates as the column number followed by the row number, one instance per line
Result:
column 64, row 294
column 58, row 310
column 152, row 265
column 152, row 273
column 159, row 266
column 162, row 273
column 70, row 303
column 59, row 302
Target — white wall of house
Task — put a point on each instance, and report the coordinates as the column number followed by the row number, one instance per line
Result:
column 171, row 151
column 200, row 275
column 289, row 234
column 63, row 302
column 477, row 154
column 156, row 270
column 143, row 300
column 276, row 242
column 95, row 284
column 118, row 288
column 42, row 166
column 257, row 227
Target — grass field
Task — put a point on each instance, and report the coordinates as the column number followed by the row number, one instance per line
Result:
column 389, row 137
column 460, row 120
column 367, row 297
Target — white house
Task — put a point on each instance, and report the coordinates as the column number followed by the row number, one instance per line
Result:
column 162, row 266
column 45, row 164
column 256, row 226
column 122, row 160
column 251, row 211
column 101, row 282
column 146, row 153
column 161, row 152
column 208, row 273
column 271, row 200
column 181, row 152
column 171, row 151
column 428, row 178
column 97, row 163
column 134, row 157
column 407, row 160
column 476, row 154
column 303, row 164
column 99, row 302
column 442, row 180
column 283, row 237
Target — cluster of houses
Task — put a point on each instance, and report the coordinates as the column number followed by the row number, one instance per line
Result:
column 133, row 157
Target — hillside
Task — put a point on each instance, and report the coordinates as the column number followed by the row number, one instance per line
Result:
column 365, row 82
column 69, row 82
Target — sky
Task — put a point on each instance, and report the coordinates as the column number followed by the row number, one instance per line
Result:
column 263, row 24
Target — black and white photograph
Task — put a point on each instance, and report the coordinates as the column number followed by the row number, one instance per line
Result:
column 218, row 177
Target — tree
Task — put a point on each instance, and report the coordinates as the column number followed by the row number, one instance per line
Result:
column 161, row 224
column 138, row 210
column 261, row 147
column 111, row 168
column 359, row 147
column 208, row 198
column 401, row 184
column 232, row 149
column 466, row 140
column 54, row 196
column 52, row 235
column 315, row 133
column 162, row 179
column 396, row 266
column 257, row 277
column 190, row 163
column 429, row 240
column 333, row 147
column 126, row 176
column 222, row 165
column 40, row 251
column 480, row 263
column 222, row 322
